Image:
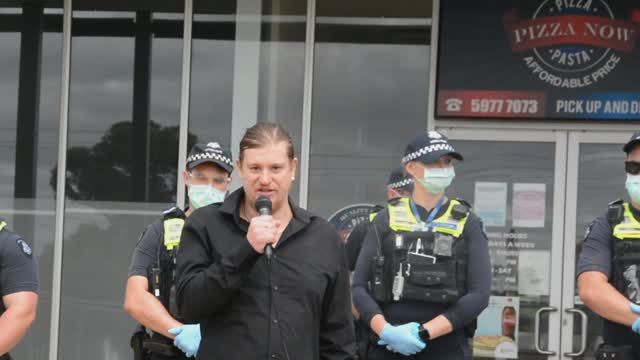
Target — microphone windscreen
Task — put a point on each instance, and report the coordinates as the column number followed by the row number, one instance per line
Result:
column 263, row 205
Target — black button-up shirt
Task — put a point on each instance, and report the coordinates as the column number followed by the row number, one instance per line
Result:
column 294, row 307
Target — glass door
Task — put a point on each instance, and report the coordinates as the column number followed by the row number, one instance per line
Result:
column 595, row 177
column 515, row 181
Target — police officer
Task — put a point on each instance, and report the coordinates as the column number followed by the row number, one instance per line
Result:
column 150, row 294
column 423, row 275
column 399, row 185
column 19, row 287
column 608, row 266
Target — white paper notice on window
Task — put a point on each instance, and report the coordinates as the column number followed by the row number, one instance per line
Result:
column 529, row 205
column 490, row 202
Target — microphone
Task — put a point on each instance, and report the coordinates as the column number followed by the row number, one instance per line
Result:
column 263, row 205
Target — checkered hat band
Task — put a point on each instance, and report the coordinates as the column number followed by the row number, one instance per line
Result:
column 427, row 150
column 400, row 184
column 212, row 156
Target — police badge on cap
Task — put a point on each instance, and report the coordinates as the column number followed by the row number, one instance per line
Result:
column 210, row 152
column 428, row 147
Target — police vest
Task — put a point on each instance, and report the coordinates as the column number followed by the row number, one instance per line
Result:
column 425, row 263
column 162, row 274
column 626, row 250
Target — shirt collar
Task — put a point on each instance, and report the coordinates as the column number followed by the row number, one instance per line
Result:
column 231, row 205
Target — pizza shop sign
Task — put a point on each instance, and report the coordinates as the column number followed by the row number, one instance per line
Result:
column 572, row 43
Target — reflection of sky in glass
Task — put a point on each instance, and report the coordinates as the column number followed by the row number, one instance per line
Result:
column 101, row 87
column 49, row 110
column 368, row 102
column 212, row 90
column 9, row 59
column 34, row 219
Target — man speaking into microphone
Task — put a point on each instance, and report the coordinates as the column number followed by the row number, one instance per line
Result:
column 264, row 278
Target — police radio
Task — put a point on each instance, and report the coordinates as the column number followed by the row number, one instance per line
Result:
column 377, row 287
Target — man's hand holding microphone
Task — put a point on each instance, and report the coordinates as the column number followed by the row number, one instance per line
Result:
column 264, row 231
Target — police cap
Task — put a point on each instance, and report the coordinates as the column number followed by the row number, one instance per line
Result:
column 428, row 147
column 399, row 181
column 635, row 140
column 210, row 152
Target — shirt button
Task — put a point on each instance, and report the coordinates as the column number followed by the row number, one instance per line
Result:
column 274, row 355
column 275, row 287
column 275, row 321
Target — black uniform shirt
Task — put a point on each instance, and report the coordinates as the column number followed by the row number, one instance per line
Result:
column 145, row 255
column 297, row 309
column 18, row 269
column 354, row 243
column 459, row 314
column 596, row 255
column 596, row 248
column 356, row 238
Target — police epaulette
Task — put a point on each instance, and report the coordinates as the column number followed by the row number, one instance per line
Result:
column 616, row 202
column 465, row 203
column 173, row 213
column 615, row 212
column 461, row 210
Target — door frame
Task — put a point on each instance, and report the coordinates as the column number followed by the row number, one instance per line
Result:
column 559, row 139
column 575, row 139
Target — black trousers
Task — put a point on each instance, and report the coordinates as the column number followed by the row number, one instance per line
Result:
column 377, row 352
column 154, row 356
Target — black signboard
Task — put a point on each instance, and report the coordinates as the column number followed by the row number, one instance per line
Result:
column 555, row 59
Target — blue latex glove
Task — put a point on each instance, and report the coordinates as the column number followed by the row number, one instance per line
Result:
column 402, row 339
column 187, row 338
column 636, row 324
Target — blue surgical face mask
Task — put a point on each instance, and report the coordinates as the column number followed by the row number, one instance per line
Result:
column 633, row 187
column 203, row 195
column 436, row 180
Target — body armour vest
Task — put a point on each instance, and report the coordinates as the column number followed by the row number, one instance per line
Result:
column 626, row 254
column 421, row 262
column 162, row 274
column 625, row 250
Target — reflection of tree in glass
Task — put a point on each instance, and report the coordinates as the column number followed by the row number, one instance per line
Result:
column 104, row 170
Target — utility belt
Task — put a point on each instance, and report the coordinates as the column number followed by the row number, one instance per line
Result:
column 618, row 352
column 161, row 346
column 143, row 345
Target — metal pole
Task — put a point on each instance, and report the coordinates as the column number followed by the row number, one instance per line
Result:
column 58, row 241
column 184, row 100
column 307, row 103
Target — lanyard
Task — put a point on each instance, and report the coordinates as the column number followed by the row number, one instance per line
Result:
column 432, row 215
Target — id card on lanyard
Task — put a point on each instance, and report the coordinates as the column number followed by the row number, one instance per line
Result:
column 426, row 226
